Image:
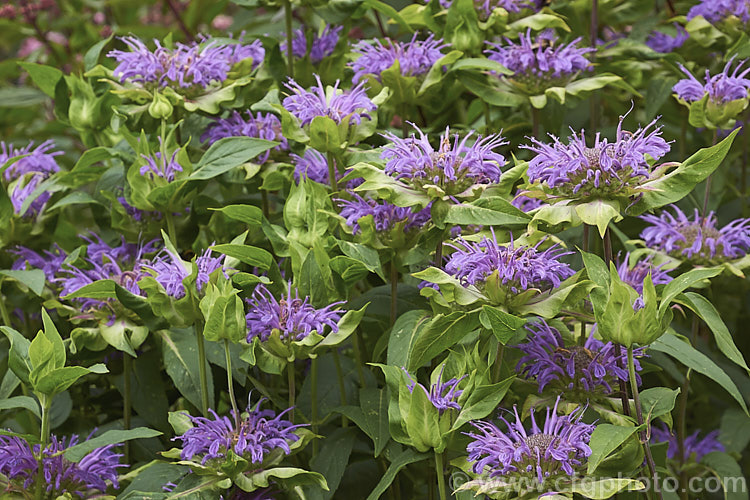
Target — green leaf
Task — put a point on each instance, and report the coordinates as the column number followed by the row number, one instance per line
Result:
column 58, row 380
column 18, row 357
column 100, row 290
column 683, row 282
column 180, row 351
column 228, row 153
column 605, row 439
column 364, row 254
column 658, row 402
column 599, row 213
column 288, row 477
column 45, row 77
column 421, row 421
column 75, row 198
column 252, row 256
column 729, row 473
column 406, row 457
column 180, row 422
column 249, row 214
column 692, row 358
column 482, row 401
column 347, row 325
column 34, row 278
column 491, row 211
column 24, row 402
column 78, row 452
column 404, row 333
column 388, row 11
column 441, row 333
column 605, row 488
column 500, row 323
column 92, row 55
column 324, row 135
column 681, row 181
column 724, row 340
column 332, row 460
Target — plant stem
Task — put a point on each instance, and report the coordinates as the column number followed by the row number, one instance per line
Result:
column 707, row 193
column 534, row 122
column 342, row 387
column 3, row 308
column 264, row 203
column 487, row 117
column 180, row 21
column 314, row 401
column 440, row 475
column 290, row 383
column 171, row 230
column 202, row 366
column 230, row 384
column 379, row 21
column 639, row 417
column 127, row 369
column 394, row 290
column 498, row 362
column 682, row 416
column 289, row 36
column 332, row 173
column 358, row 357
column 44, row 402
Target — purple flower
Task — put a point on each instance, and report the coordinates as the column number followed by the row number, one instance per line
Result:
column 39, row 160
column 260, row 126
column 312, row 165
column 541, row 63
column 581, row 371
column 636, row 274
column 415, row 57
column 136, row 213
column 18, row 462
column 605, row 169
column 557, row 448
column 455, row 166
column 517, row 267
column 158, row 165
column 721, row 88
column 185, row 66
column 526, row 204
column 339, row 105
column 322, row 45
column 124, row 264
column 664, row 43
column 718, row 10
column 170, row 271
column 27, row 173
column 50, row 262
column 443, row 395
column 698, row 240
column 260, row 433
column 385, row 215
column 692, row 444
column 295, row 318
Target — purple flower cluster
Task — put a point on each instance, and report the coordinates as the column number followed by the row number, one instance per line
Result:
column 557, row 448
column 312, row 165
column 540, row 63
column 295, row 318
column 721, row 88
column 664, row 43
column 526, row 204
column 27, row 173
column 159, row 166
column 339, row 105
column 322, row 44
column 136, row 213
column 605, row 169
column 455, row 166
column 257, row 435
column 48, row 261
column 718, row 10
column 581, row 371
column 697, row 240
column 385, row 215
column 443, row 395
column 518, row 267
column 260, row 126
column 692, row 444
column 170, row 271
column 415, row 57
column 186, row 65
column 19, row 464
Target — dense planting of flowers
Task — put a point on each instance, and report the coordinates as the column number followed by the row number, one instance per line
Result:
column 444, row 249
